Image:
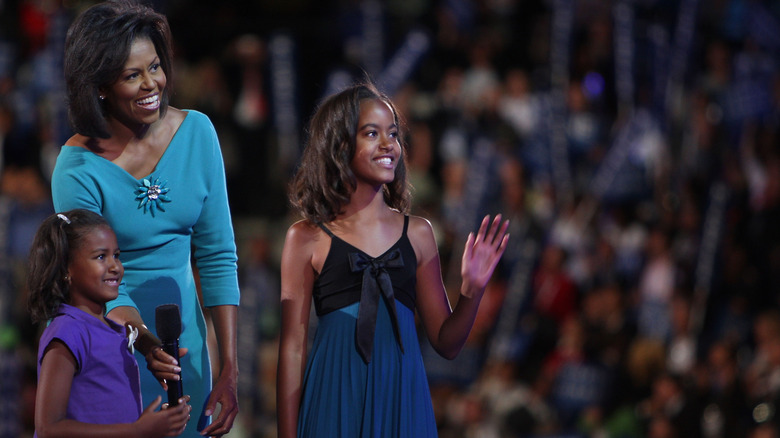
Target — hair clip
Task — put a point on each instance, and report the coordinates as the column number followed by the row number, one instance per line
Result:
column 64, row 218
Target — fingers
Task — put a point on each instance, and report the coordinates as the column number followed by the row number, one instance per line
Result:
column 493, row 236
column 184, row 400
column 224, row 421
column 163, row 366
column 179, row 416
column 468, row 250
column 500, row 251
column 222, row 424
column 159, row 355
column 483, row 228
column 153, row 405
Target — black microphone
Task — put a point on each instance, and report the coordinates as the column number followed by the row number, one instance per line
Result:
column 168, row 322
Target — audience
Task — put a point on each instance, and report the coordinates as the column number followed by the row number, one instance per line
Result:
column 640, row 296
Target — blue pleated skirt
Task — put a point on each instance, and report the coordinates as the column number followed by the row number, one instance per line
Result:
column 345, row 397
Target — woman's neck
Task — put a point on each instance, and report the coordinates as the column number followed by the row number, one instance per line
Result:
column 121, row 136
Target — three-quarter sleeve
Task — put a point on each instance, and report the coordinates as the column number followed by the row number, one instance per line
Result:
column 213, row 237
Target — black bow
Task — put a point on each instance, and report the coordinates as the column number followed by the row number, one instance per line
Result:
column 376, row 280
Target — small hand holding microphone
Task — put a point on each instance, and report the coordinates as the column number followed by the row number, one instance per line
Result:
column 168, row 323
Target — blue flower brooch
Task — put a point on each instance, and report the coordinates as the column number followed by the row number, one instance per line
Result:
column 151, row 195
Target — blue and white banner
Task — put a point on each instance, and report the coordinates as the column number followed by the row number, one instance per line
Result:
column 372, row 42
column 712, row 231
column 627, row 168
column 560, row 44
column 623, row 15
column 283, row 95
column 401, row 66
column 678, row 62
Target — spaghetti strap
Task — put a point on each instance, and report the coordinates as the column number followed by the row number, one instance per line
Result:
column 325, row 229
column 330, row 233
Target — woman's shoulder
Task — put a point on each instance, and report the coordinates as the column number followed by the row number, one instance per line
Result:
column 191, row 115
column 77, row 140
column 74, row 158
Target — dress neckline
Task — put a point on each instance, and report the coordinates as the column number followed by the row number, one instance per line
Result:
column 156, row 166
column 403, row 234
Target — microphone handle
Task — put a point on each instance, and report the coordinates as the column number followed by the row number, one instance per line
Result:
column 174, row 386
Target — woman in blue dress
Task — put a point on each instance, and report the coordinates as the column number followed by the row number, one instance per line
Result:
column 367, row 266
column 156, row 174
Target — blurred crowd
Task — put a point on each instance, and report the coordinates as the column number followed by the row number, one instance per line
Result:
column 633, row 144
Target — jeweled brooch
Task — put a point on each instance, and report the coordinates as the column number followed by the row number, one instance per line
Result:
column 151, row 195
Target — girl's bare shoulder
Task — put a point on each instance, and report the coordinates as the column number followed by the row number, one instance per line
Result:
column 422, row 238
column 420, row 226
column 303, row 231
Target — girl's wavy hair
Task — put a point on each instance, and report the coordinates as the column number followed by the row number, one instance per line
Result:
column 97, row 46
column 57, row 236
column 324, row 181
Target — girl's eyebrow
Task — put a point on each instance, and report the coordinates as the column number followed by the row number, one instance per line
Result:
column 375, row 125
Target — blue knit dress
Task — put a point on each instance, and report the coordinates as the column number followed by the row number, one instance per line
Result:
column 158, row 219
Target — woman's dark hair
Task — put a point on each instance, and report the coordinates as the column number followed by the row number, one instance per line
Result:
column 324, row 182
column 57, row 236
column 97, row 46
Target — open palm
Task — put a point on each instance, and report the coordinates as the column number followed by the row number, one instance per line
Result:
column 483, row 251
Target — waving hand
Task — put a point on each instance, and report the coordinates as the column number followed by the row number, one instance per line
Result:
column 482, row 253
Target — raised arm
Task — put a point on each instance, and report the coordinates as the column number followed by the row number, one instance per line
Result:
column 448, row 328
column 296, row 294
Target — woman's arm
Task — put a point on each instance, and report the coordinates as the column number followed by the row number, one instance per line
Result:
column 225, row 390
column 161, row 364
column 297, row 282
column 448, row 329
column 214, row 249
column 58, row 367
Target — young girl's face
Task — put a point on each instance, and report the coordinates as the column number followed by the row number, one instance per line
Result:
column 377, row 149
column 95, row 270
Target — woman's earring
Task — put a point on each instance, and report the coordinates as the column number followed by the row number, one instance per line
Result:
column 101, row 97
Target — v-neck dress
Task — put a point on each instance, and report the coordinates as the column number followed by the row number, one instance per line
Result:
column 157, row 220
column 343, row 396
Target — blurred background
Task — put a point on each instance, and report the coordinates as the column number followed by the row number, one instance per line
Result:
column 632, row 143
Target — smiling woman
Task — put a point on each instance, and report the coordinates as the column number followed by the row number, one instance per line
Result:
column 133, row 100
column 156, row 174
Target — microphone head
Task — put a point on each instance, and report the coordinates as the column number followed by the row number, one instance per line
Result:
column 168, row 322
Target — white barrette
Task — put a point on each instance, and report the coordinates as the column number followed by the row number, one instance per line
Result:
column 63, row 217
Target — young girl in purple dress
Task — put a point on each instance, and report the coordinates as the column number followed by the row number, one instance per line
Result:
column 88, row 379
column 368, row 267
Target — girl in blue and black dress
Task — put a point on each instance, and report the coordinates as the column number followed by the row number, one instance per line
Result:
column 367, row 266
